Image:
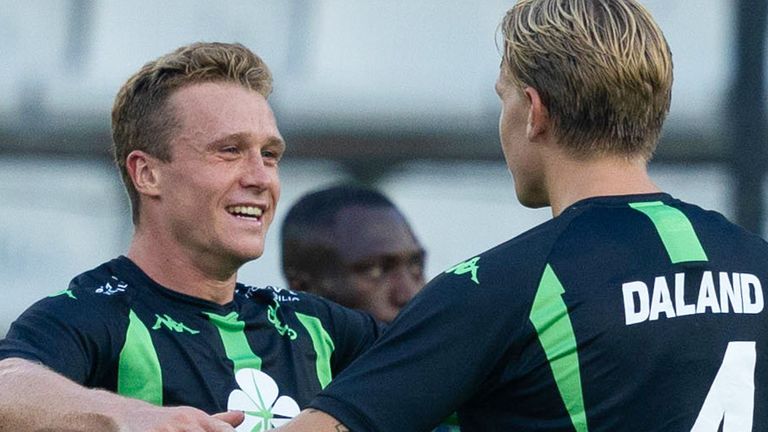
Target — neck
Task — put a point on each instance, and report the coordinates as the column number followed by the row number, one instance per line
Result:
column 570, row 180
column 170, row 265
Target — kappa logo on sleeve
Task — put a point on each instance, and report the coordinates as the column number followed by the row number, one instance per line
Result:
column 467, row 267
column 258, row 398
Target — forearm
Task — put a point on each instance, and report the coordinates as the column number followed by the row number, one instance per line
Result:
column 35, row 398
column 312, row 420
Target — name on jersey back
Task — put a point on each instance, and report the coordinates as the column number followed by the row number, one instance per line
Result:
column 666, row 297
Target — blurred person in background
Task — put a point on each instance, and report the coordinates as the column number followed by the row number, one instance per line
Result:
column 629, row 311
column 352, row 245
column 165, row 338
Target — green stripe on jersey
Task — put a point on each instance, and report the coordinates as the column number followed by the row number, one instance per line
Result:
column 235, row 343
column 323, row 345
column 674, row 228
column 138, row 371
column 549, row 315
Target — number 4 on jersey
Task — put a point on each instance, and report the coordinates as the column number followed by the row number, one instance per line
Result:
column 731, row 399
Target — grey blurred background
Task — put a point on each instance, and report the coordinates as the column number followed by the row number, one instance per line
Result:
column 397, row 94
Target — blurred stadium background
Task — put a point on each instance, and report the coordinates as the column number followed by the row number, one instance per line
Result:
column 398, row 94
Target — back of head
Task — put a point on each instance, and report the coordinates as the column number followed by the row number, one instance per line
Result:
column 141, row 119
column 306, row 235
column 602, row 67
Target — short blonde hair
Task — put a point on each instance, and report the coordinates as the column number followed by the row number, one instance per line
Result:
column 602, row 67
column 141, row 119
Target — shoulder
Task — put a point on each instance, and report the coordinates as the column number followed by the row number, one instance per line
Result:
column 508, row 276
column 511, row 261
column 99, row 291
column 116, row 280
column 73, row 321
column 721, row 237
column 710, row 219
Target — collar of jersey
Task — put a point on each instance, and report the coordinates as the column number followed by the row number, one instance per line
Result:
column 618, row 200
column 129, row 270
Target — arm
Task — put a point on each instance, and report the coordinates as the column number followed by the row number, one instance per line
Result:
column 436, row 355
column 314, row 421
column 33, row 397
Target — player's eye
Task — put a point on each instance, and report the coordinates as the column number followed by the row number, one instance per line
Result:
column 373, row 269
column 416, row 265
column 272, row 154
column 379, row 267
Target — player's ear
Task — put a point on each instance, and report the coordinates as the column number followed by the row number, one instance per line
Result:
column 143, row 170
column 538, row 115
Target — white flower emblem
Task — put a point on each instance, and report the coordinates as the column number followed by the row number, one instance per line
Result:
column 257, row 398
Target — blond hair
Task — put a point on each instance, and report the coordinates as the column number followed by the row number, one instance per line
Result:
column 602, row 67
column 141, row 119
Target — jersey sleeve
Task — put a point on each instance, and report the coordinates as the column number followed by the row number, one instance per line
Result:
column 352, row 331
column 65, row 332
column 433, row 357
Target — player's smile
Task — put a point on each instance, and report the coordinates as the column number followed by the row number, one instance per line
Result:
column 249, row 212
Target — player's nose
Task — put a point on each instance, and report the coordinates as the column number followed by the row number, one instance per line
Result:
column 256, row 174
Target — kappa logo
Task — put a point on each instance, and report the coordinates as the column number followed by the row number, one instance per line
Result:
column 468, row 266
column 172, row 325
column 258, row 398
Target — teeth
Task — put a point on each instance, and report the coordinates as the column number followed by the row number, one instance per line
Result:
column 245, row 210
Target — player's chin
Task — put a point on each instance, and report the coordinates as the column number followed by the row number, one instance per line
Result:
column 533, row 201
column 248, row 252
column 255, row 253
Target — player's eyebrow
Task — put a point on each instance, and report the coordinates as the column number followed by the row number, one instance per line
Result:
column 277, row 142
column 240, row 138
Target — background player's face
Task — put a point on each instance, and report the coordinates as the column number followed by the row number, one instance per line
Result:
column 221, row 187
column 383, row 261
column 522, row 156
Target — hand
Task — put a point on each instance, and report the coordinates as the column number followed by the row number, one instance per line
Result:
column 180, row 419
column 23, row 384
column 233, row 418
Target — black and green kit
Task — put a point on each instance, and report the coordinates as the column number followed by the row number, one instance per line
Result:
column 625, row 313
column 114, row 328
